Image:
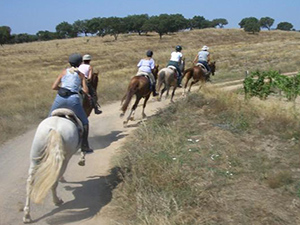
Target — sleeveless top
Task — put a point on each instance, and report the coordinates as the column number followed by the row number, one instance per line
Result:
column 84, row 68
column 146, row 65
column 175, row 56
column 71, row 81
column 203, row 55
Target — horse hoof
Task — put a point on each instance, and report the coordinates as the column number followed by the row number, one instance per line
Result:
column 131, row 118
column 81, row 163
column 27, row 219
column 122, row 114
column 59, row 202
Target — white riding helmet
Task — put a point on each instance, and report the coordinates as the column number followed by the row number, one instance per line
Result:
column 204, row 48
column 86, row 57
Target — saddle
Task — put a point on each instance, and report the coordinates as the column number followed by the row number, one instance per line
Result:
column 203, row 68
column 70, row 115
column 141, row 73
column 174, row 69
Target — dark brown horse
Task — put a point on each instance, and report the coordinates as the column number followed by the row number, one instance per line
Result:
column 198, row 74
column 93, row 83
column 140, row 87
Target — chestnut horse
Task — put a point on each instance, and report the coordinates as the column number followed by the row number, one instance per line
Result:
column 140, row 87
column 93, row 83
column 198, row 74
column 168, row 77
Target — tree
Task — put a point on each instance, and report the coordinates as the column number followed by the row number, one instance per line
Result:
column 199, row 22
column 284, row 26
column 65, row 30
column 250, row 24
column 219, row 22
column 114, row 26
column 46, row 35
column 135, row 23
column 4, row 34
column 266, row 22
column 80, row 27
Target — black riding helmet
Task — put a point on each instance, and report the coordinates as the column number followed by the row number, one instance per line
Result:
column 75, row 59
column 149, row 53
column 178, row 48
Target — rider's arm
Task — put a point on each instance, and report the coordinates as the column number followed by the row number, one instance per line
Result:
column 90, row 73
column 196, row 59
column 55, row 85
column 83, row 83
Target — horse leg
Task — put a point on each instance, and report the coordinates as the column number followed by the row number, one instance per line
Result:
column 173, row 93
column 132, row 112
column 186, row 83
column 192, row 83
column 161, row 93
column 27, row 218
column 82, row 159
column 56, row 200
column 144, row 106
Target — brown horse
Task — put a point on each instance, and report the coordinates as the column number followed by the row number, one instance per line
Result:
column 140, row 87
column 168, row 77
column 198, row 74
column 93, row 83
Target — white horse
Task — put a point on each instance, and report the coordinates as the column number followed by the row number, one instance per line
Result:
column 167, row 76
column 57, row 138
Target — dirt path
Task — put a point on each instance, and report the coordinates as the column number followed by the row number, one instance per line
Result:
column 86, row 189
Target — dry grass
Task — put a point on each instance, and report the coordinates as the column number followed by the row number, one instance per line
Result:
column 211, row 159
column 28, row 70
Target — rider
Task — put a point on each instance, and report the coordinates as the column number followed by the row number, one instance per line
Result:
column 175, row 60
column 203, row 57
column 146, row 65
column 68, row 84
column 87, row 70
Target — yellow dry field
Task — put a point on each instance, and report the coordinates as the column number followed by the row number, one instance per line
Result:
column 28, row 70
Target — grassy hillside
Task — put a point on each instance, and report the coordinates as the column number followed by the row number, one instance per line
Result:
column 212, row 159
column 28, row 70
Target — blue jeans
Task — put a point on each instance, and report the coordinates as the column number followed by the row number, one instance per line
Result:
column 176, row 64
column 73, row 103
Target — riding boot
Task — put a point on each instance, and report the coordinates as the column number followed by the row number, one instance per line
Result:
column 179, row 82
column 154, row 93
column 85, row 143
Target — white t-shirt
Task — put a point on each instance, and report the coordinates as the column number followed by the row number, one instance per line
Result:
column 176, row 56
column 84, row 68
column 146, row 65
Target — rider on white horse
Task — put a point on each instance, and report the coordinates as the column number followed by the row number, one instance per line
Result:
column 71, row 81
column 175, row 60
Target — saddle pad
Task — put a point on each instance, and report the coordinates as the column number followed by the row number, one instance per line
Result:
column 172, row 67
column 140, row 73
column 69, row 114
column 202, row 66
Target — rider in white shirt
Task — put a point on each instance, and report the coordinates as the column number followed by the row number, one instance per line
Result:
column 175, row 60
column 87, row 70
column 146, row 65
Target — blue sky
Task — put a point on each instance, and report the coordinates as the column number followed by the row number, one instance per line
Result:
column 31, row 16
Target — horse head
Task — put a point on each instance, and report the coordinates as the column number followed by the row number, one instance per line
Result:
column 212, row 66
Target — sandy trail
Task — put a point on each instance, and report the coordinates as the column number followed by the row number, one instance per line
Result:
column 86, row 190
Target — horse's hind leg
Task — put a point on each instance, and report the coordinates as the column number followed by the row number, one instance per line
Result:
column 56, row 200
column 27, row 218
column 144, row 106
column 173, row 93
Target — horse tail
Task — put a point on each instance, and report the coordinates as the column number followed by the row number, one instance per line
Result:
column 48, row 170
column 190, row 70
column 161, row 78
column 128, row 96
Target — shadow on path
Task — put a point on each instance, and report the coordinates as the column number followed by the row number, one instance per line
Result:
column 89, row 197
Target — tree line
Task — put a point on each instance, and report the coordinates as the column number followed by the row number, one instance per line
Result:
column 140, row 24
